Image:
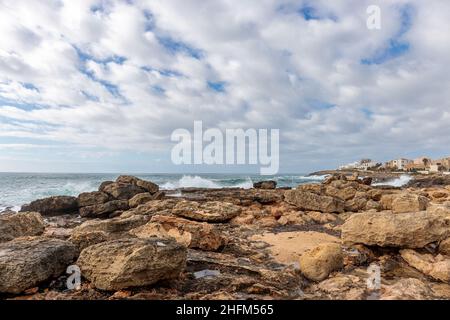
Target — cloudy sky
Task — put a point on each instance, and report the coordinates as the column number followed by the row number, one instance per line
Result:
column 99, row 86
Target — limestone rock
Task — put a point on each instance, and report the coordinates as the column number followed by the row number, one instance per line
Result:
column 146, row 185
column 53, row 205
column 104, row 209
column 406, row 289
column 123, row 191
column 26, row 262
column 87, row 199
column 153, row 207
column 265, row 184
column 404, row 230
column 126, row 263
column 198, row 235
column 96, row 231
column 210, row 211
column 444, row 247
column 139, row 199
column 313, row 202
column 436, row 267
column 319, row 262
column 20, row 224
column 408, row 202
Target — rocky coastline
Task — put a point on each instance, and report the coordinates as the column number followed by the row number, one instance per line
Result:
column 131, row 240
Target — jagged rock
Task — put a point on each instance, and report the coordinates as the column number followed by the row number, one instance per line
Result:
column 367, row 181
column 199, row 235
column 126, row 263
column 20, row 224
column 152, row 207
column 439, row 209
column 123, row 191
column 406, row 289
column 104, row 209
column 265, row 184
column 53, row 206
column 436, row 267
column 103, row 185
column 146, row 185
column 139, row 199
column 386, row 201
column 26, row 262
column 86, row 239
column 358, row 203
column 96, row 231
column 444, row 247
column 318, row 263
column 313, row 202
column 404, row 230
column 210, row 211
column 346, row 193
column 408, row 202
column 87, row 199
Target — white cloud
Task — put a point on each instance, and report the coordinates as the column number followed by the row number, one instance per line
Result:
column 121, row 75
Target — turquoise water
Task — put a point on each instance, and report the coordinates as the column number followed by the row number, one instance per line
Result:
column 17, row 189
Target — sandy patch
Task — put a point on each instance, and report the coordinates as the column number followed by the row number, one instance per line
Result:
column 287, row 247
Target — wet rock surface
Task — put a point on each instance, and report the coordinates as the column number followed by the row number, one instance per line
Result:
column 317, row 241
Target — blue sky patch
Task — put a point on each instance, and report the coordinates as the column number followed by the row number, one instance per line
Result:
column 396, row 46
column 175, row 47
column 217, row 86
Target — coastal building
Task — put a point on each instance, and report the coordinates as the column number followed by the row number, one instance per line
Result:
column 363, row 164
column 399, row 164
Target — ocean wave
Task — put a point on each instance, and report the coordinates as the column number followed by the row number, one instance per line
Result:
column 398, row 182
column 200, row 182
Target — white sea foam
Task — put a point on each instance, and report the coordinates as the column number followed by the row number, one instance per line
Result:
column 199, row 182
column 398, row 182
column 314, row 177
column 190, row 182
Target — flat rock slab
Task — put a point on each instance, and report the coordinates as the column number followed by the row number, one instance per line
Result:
column 209, row 211
column 387, row 229
column 26, row 262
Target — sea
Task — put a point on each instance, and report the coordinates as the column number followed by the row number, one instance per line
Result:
column 17, row 189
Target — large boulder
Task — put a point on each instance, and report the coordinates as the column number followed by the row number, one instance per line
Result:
column 209, row 211
column 436, row 267
column 318, row 263
column 87, row 199
column 20, row 224
column 53, row 206
column 104, row 209
column 26, row 262
column 146, row 185
column 409, row 202
column 122, row 191
column 404, row 230
column 270, row 184
column 126, row 263
column 313, row 202
column 197, row 235
column 95, row 231
column 139, row 199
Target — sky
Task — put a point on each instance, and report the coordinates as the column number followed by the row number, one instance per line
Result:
column 99, row 85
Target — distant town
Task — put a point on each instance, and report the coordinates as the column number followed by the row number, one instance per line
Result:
column 423, row 165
